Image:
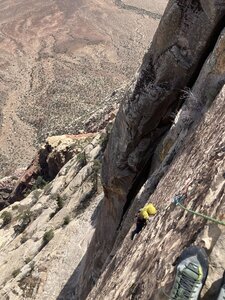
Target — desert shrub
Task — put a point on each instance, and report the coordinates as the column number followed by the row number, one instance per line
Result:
column 36, row 194
column 96, row 166
column 60, row 202
column 52, row 215
column 96, row 171
column 39, row 183
column 25, row 219
column 7, row 218
column 81, row 157
column 27, row 260
column 105, row 136
column 48, row 236
column 15, row 273
column 27, row 192
column 104, row 140
column 66, row 220
column 15, row 207
column 24, row 239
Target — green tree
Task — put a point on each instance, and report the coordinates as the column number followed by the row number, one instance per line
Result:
column 48, row 236
column 7, row 218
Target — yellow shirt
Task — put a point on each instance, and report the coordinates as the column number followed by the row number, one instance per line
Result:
column 143, row 214
column 148, row 210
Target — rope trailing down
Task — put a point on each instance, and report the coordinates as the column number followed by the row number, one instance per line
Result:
column 180, row 198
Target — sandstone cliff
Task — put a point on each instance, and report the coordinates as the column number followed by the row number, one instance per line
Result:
column 187, row 53
column 168, row 133
column 44, row 236
column 142, row 269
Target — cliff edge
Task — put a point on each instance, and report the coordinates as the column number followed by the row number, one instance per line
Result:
column 161, row 121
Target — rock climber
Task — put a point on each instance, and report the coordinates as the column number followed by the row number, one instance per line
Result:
column 143, row 217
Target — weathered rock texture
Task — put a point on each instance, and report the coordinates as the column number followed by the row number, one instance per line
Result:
column 186, row 36
column 48, row 161
column 7, row 184
column 31, row 268
column 142, row 269
column 168, row 133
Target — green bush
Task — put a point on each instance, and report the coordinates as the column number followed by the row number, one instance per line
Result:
column 24, row 239
column 96, row 166
column 81, row 157
column 48, row 236
column 25, row 219
column 15, row 207
column 40, row 182
column 52, row 215
column 66, row 220
column 60, row 202
column 7, row 218
column 36, row 194
column 27, row 260
column 96, row 172
column 15, row 273
column 104, row 140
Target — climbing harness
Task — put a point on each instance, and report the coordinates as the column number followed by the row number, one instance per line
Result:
column 180, row 198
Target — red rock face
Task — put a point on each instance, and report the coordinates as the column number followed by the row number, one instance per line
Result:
column 47, row 163
column 181, row 44
column 7, row 184
column 38, row 167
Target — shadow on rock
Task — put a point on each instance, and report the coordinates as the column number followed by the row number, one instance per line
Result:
column 213, row 291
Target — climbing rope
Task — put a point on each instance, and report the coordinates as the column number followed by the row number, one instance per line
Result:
column 179, row 198
column 177, row 201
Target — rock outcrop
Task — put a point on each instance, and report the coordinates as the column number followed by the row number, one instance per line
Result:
column 7, row 184
column 47, row 234
column 48, row 161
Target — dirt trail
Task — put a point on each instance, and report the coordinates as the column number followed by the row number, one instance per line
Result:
column 138, row 10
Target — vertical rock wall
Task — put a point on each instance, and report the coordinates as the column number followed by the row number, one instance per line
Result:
column 185, row 37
